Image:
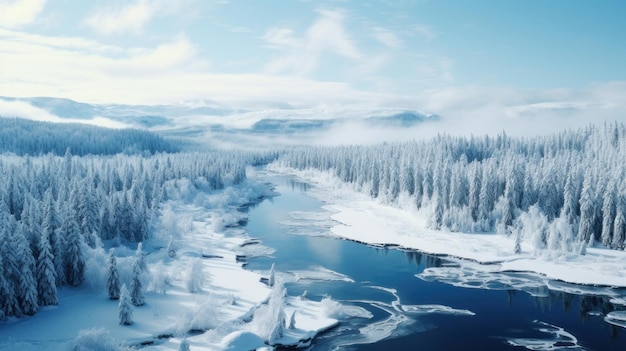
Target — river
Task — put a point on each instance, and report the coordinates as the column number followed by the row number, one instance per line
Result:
column 409, row 312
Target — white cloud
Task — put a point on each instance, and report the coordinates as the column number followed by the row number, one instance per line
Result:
column 301, row 55
column 387, row 38
column 129, row 17
column 282, row 38
column 85, row 70
column 18, row 13
column 425, row 30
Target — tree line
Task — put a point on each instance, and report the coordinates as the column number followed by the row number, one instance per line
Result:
column 26, row 137
column 562, row 191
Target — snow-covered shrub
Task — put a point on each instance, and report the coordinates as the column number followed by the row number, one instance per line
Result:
column 172, row 224
column 180, row 189
column 95, row 339
column 269, row 319
column 534, row 225
column 96, row 269
column 161, row 280
column 206, row 315
column 195, row 277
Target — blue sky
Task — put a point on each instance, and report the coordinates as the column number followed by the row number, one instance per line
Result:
column 439, row 56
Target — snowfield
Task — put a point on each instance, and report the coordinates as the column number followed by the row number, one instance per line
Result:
column 236, row 307
column 360, row 218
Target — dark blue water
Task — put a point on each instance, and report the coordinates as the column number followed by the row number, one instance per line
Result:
column 500, row 315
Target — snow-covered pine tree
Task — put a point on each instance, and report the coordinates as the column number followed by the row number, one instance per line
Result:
column 587, row 210
column 27, row 284
column 608, row 215
column 124, row 308
column 88, row 211
column 474, row 191
column 8, row 301
column 619, row 226
column 74, row 256
column 113, row 279
column 46, row 274
column 136, row 285
column 518, row 241
column 140, row 258
column 9, row 269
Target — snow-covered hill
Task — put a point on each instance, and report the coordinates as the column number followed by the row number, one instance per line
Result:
column 201, row 118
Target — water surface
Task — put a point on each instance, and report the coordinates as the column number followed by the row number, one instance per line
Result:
column 384, row 282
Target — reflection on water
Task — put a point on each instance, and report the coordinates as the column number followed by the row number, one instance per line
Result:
column 295, row 185
column 509, row 308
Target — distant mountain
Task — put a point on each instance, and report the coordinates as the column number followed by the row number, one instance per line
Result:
column 145, row 116
column 398, row 119
column 202, row 122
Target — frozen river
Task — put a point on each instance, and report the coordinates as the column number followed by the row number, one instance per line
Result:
column 419, row 300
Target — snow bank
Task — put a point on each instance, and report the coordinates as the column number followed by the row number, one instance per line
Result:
column 360, row 218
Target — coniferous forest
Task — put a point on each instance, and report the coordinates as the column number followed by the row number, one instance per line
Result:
column 54, row 209
column 563, row 191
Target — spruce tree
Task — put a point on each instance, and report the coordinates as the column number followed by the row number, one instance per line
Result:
column 8, row 273
column 46, row 275
column 113, row 280
column 136, row 285
column 27, row 284
column 8, row 302
column 124, row 308
column 619, row 226
column 74, row 256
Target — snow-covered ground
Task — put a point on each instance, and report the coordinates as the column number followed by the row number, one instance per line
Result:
column 237, row 307
column 482, row 257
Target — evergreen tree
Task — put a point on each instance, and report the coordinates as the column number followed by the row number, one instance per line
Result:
column 113, row 280
column 124, row 308
column 27, row 285
column 619, row 226
column 46, row 275
column 9, row 270
column 136, row 285
column 8, row 301
column 140, row 257
column 74, row 256
column 587, row 210
column 474, row 192
column 608, row 217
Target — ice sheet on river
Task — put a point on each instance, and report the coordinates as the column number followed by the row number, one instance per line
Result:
column 473, row 275
column 557, row 339
column 313, row 223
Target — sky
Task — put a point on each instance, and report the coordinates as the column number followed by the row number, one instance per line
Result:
column 461, row 58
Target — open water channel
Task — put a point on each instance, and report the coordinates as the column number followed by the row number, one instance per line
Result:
column 410, row 312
